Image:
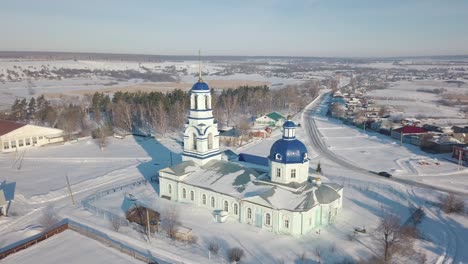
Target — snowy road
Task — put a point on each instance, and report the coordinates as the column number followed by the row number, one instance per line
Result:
column 316, row 140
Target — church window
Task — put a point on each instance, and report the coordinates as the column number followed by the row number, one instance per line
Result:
column 226, row 206
column 6, row 145
column 210, row 140
column 278, row 156
column 212, row 202
column 310, row 221
column 204, row 199
column 194, row 143
column 13, row 144
column 286, row 223
column 34, row 139
column 236, row 209
column 169, row 188
column 267, row 219
column 196, row 101
column 208, row 102
column 293, row 173
column 184, row 193
column 28, row 142
column 20, row 143
column 192, row 195
column 249, row 213
column 278, row 172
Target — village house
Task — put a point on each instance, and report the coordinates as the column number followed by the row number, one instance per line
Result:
column 271, row 119
column 17, row 136
column 400, row 133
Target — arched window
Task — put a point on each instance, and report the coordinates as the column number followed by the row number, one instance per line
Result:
column 293, row 173
column 267, row 219
column 226, row 206
column 184, row 193
column 236, row 209
column 196, row 101
column 212, row 202
column 286, row 223
column 210, row 140
column 249, row 213
column 169, row 188
column 204, row 199
column 194, row 141
column 192, row 195
column 208, row 102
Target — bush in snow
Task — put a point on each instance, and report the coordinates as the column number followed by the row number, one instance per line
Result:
column 452, row 204
column 235, row 254
column 213, row 247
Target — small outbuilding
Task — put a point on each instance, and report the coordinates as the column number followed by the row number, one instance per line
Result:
column 138, row 214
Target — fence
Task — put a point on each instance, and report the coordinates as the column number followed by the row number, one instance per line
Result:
column 26, row 243
column 87, row 203
column 87, row 231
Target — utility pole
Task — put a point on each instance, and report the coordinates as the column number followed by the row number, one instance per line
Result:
column 460, row 161
column 69, row 190
column 148, row 223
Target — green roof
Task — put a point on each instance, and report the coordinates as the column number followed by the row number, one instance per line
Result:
column 275, row 116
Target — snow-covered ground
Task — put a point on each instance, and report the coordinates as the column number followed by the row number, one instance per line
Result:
column 71, row 248
column 404, row 97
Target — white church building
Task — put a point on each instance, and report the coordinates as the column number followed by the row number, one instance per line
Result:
column 286, row 200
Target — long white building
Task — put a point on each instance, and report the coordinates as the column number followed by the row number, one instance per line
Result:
column 16, row 136
column 286, row 200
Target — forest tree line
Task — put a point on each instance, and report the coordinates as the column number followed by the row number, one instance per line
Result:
column 156, row 112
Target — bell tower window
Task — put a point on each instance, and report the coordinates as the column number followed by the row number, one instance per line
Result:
column 278, row 172
column 194, row 143
column 293, row 173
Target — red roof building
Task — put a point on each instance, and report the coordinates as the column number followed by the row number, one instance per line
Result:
column 410, row 130
column 8, row 126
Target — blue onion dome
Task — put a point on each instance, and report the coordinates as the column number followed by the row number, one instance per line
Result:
column 288, row 151
column 289, row 124
column 200, row 86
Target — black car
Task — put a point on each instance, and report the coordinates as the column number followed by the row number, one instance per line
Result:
column 385, row 174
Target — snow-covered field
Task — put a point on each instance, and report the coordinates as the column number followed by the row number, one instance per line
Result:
column 404, row 97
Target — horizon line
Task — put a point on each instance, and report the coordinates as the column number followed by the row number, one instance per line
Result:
column 236, row 56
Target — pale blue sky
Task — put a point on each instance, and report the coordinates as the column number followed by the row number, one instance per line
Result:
column 270, row 27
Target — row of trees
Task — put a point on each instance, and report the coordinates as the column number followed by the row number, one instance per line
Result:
column 99, row 113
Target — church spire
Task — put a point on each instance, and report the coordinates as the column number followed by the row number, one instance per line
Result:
column 199, row 66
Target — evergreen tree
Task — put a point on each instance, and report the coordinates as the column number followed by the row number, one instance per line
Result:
column 31, row 108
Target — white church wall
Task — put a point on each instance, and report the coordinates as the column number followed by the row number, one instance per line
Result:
column 302, row 172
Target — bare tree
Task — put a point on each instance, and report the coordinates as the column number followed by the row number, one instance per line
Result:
column 338, row 110
column 244, row 129
column 318, row 253
column 115, row 223
column 160, row 119
column 49, row 217
column 122, row 115
column 392, row 239
column 171, row 220
column 452, row 204
column 231, row 105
